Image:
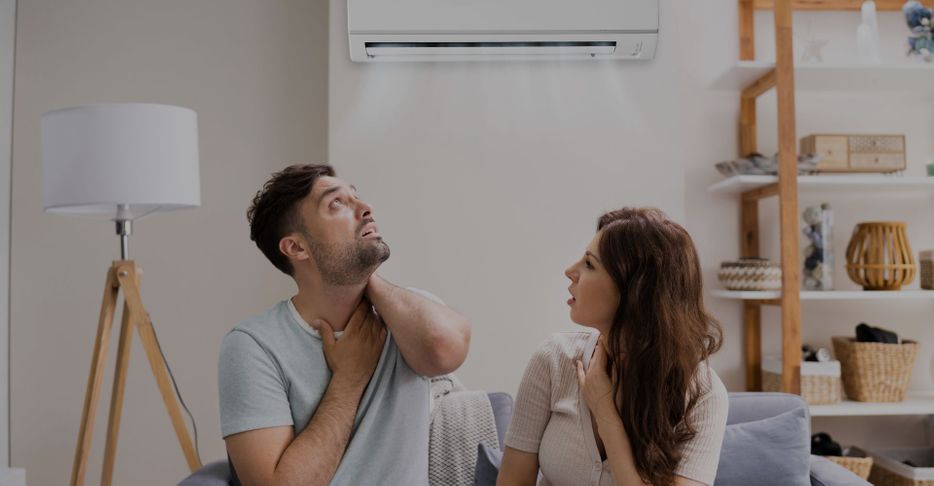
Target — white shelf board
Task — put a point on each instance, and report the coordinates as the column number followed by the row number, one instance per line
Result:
column 916, row 403
column 903, row 76
column 827, row 294
column 896, row 185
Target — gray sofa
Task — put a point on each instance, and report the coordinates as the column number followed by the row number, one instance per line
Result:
column 745, row 408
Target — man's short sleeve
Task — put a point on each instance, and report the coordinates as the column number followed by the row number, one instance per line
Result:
column 252, row 392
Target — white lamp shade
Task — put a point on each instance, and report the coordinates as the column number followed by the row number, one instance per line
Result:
column 120, row 160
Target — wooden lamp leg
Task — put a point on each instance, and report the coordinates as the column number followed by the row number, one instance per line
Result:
column 124, row 275
column 116, row 399
column 101, row 343
column 150, row 346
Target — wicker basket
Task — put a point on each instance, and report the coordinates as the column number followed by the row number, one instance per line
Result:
column 927, row 270
column 750, row 274
column 880, row 476
column 888, row 470
column 875, row 372
column 856, row 460
column 820, row 382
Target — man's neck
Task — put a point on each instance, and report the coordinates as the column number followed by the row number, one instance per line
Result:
column 331, row 303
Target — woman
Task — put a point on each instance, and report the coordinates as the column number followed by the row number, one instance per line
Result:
column 631, row 401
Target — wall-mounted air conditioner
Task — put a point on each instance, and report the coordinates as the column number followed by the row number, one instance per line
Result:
column 483, row 30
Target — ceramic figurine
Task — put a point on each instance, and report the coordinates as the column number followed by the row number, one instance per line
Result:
column 920, row 39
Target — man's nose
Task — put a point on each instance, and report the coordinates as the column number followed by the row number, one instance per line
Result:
column 364, row 210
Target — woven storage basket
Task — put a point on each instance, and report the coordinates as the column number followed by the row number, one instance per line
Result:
column 880, row 476
column 888, row 470
column 860, row 463
column 927, row 270
column 820, row 382
column 750, row 274
column 875, row 372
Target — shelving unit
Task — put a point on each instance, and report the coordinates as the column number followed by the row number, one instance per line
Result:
column 753, row 79
column 856, row 184
column 835, row 77
column 917, row 403
column 772, row 297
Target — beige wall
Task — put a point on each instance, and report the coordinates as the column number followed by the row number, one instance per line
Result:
column 256, row 74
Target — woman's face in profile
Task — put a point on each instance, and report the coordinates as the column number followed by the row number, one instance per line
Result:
column 594, row 296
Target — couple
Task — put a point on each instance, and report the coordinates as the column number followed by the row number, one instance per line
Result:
column 331, row 386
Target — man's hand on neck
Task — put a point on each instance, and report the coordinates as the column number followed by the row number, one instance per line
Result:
column 334, row 304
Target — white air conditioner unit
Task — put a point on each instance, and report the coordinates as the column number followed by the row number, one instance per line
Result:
column 484, row 30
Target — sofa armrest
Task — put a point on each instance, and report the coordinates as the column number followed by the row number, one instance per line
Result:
column 213, row 474
column 828, row 473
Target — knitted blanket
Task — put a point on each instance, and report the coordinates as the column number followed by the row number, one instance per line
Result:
column 460, row 420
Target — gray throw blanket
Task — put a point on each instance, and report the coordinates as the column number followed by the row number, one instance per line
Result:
column 460, row 420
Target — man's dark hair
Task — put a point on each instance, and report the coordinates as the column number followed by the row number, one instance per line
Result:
column 275, row 210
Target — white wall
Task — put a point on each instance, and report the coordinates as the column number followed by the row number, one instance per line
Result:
column 487, row 179
column 255, row 73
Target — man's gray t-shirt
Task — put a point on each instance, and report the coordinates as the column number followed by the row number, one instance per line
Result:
column 272, row 372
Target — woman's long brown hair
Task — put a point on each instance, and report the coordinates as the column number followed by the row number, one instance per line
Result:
column 660, row 334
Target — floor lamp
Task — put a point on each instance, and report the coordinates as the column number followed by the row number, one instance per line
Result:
column 120, row 162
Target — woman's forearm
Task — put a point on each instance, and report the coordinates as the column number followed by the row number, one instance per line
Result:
column 619, row 453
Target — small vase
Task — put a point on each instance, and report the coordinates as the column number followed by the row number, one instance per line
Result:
column 817, row 258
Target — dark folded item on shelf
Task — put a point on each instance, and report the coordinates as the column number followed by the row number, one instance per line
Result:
column 823, row 445
column 868, row 334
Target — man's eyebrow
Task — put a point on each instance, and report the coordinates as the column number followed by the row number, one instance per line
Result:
column 593, row 256
column 327, row 192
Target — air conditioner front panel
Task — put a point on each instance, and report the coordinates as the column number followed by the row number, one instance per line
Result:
column 501, row 16
column 394, row 48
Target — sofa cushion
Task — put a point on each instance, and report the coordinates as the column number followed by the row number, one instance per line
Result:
column 771, row 451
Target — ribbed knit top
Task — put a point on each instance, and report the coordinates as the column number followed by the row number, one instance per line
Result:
column 552, row 420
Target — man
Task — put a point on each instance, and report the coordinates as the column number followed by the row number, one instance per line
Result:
column 330, row 387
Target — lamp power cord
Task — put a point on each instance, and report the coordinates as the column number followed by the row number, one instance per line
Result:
column 194, row 426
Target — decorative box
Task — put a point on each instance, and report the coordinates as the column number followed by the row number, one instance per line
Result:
column 857, row 153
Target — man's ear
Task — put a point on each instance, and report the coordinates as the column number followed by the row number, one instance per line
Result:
column 294, row 247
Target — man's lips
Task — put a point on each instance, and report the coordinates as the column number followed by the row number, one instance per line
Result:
column 369, row 230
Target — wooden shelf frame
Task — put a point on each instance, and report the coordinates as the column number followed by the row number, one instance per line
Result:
column 781, row 78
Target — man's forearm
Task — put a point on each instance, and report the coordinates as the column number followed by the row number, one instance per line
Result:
column 431, row 336
column 313, row 456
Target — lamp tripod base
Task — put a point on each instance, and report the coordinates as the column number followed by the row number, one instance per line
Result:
column 125, row 275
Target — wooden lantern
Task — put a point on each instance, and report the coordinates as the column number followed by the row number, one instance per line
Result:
column 879, row 256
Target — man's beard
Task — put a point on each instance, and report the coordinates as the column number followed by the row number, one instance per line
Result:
column 349, row 264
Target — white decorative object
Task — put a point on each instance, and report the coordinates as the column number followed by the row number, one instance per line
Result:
column 812, row 46
column 867, row 35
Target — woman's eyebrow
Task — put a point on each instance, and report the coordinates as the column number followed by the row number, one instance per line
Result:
column 591, row 255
